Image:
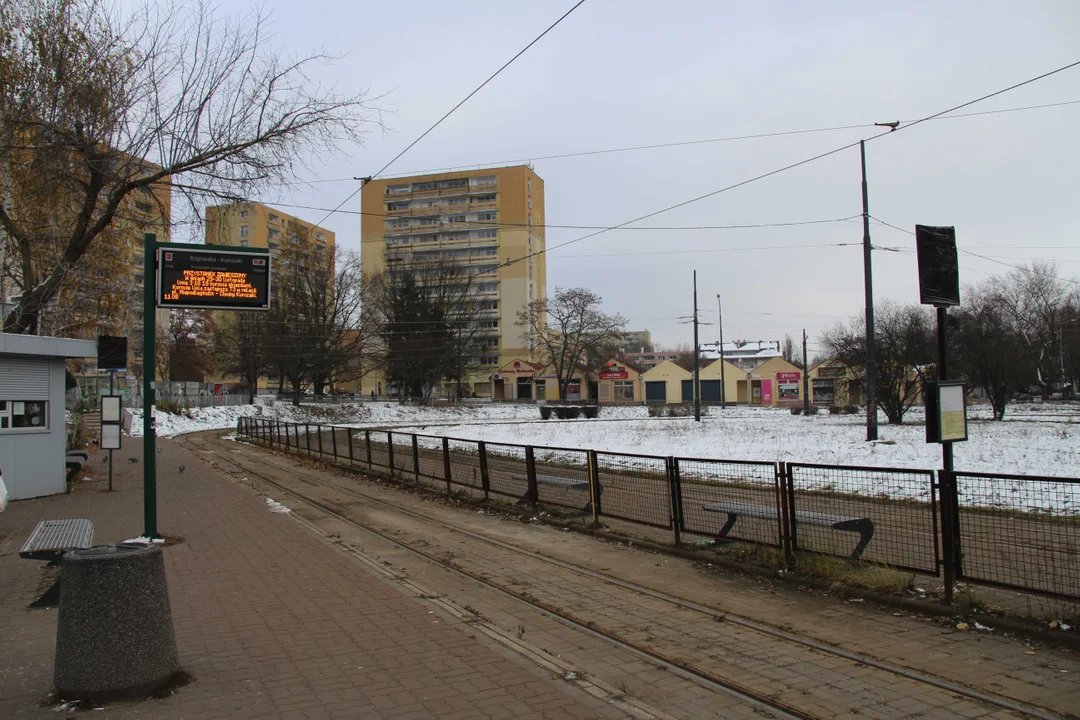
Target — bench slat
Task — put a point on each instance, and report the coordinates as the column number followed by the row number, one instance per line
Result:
column 768, row 511
column 553, row 480
column 52, row 537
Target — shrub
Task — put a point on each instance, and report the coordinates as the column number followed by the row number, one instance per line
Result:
column 567, row 412
column 850, row 409
column 657, row 410
column 834, row 409
column 812, row 410
column 545, row 412
column 591, row 412
column 796, row 411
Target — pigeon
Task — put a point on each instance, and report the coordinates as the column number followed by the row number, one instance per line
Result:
column 105, row 459
column 133, row 460
column 181, row 468
column 159, row 449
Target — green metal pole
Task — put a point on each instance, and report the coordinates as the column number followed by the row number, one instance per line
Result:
column 149, row 348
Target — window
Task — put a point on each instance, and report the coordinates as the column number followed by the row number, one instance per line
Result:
column 428, row 221
column 139, row 260
column 273, row 232
column 243, row 231
column 530, row 273
column 530, row 242
column 477, row 199
column 530, row 219
column 424, row 186
column 530, row 202
column 243, row 213
column 456, row 219
column 487, row 305
column 398, row 205
column 482, row 269
column 488, row 323
column 24, row 415
column 320, row 236
column 459, row 182
column 530, row 184
column 274, row 218
column 456, row 201
column 485, row 251
column 489, row 359
column 143, row 206
column 531, row 292
column 486, row 180
column 486, row 233
column 396, row 189
column 485, row 216
column 487, row 287
column 138, row 277
column 624, row 391
column 243, row 242
column 398, row 223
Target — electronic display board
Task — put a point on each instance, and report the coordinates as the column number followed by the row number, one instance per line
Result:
column 206, row 277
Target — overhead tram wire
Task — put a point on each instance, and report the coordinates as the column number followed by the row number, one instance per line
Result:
column 800, row 163
column 450, row 112
column 682, row 143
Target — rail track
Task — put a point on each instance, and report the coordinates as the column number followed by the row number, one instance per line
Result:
column 713, row 650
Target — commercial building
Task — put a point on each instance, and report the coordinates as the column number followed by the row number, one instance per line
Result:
column 745, row 354
column 480, row 219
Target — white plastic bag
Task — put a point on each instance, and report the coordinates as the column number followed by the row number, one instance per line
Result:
column 3, row 495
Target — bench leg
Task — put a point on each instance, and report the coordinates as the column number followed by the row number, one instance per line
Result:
column 731, row 518
column 50, row 599
column 864, row 540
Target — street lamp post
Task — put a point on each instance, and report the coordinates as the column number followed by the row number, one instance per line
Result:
column 720, row 322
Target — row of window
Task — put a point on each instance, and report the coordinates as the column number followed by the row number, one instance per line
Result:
column 24, row 415
column 485, row 234
column 445, row 202
column 435, row 220
column 444, row 184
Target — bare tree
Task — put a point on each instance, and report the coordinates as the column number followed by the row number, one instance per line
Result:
column 988, row 351
column 99, row 107
column 905, row 354
column 787, row 351
column 431, row 321
column 1035, row 301
column 240, row 347
column 569, row 328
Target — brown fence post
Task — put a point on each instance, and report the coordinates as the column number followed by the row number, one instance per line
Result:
column 787, row 512
column 390, row 452
column 348, row 438
column 307, row 437
column 674, row 488
column 446, row 462
column 530, row 474
column 485, row 479
column 333, row 440
column 416, row 458
column 288, row 444
column 594, row 485
column 367, row 447
column 947, row 491
column 318, row 429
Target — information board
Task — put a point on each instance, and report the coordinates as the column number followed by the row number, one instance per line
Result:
column 204, row 277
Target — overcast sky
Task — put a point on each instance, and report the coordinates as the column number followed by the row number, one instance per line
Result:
column 620, row 73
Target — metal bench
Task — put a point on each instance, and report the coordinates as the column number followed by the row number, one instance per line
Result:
column 74, row 461
column 863, row 526
column 49, row 541
column 568, row 483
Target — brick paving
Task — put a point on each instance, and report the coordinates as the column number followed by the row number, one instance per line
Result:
column 270, row 620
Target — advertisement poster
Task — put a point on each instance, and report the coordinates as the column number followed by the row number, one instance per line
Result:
column 766, row 392
column 787, row 385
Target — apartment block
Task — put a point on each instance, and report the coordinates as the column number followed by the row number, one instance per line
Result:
column 477, row 218
column 253, row 224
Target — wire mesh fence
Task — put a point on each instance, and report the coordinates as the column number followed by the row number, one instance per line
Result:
column 507, row 470
column 880, row 515
column 1017, row 532
column 635, row 488
column 1020, row 532
column 732, row 499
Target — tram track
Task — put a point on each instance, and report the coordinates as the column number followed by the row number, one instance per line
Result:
column 787, row 646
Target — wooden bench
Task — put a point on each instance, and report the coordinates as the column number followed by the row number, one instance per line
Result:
column 74, row 461
column 49, row 541
column 863, row 526
column 555, row 481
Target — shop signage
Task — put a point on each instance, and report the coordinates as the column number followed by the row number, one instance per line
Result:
column 613, row 372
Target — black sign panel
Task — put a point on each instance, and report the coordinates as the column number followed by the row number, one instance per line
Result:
column 111, row 352
column 204, row 277
column 939, row 274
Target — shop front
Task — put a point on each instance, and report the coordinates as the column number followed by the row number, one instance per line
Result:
column 618, row 384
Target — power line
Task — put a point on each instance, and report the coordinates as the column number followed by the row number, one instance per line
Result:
column 802, row 162
column 705, row 250
column 451, row 111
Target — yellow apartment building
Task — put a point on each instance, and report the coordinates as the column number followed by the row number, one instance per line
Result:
column 478, row 218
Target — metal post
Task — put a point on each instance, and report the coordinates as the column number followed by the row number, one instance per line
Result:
column 868, row 283
column 112, row 374
column 348, row 437
column 697, row 362
column 446, row 462
column 149, row 348
column 805, row 377
column 674, row 492
column 416, row 459
column 390, row 452
column 530, row 476
column 723, row 381
column 485, row 479
column 950, row 519
column 318, row 429
column 333, row 440
column 367, row 447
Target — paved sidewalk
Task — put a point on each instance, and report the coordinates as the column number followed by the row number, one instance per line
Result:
column 270, row 620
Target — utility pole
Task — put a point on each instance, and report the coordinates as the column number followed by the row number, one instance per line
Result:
column 697, row 362
column 871, row 350
column 805, row 377
column 720, row 322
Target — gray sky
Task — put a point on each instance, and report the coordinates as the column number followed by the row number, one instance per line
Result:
column 620, row 73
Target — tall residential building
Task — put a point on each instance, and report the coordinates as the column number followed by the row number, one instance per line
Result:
column 253, row 224
column 639, row 341
column 480, row 218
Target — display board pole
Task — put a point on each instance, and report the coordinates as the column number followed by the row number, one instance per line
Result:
column 149, row 351
column 948, row 492
column 112, row 374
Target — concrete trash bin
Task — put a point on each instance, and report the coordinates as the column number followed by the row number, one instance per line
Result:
column 114, row 636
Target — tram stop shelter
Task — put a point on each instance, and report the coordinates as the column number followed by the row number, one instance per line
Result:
column 32, row 428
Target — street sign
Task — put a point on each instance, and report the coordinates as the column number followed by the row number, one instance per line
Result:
column 112, row 353
column 946, row 411
column 939, row 274
column 212, row 278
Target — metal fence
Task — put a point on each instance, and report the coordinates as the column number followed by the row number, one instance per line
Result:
column 1020, row 532
column 1012, row 531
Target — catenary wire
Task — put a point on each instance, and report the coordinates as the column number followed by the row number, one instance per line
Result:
column 800, row 163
